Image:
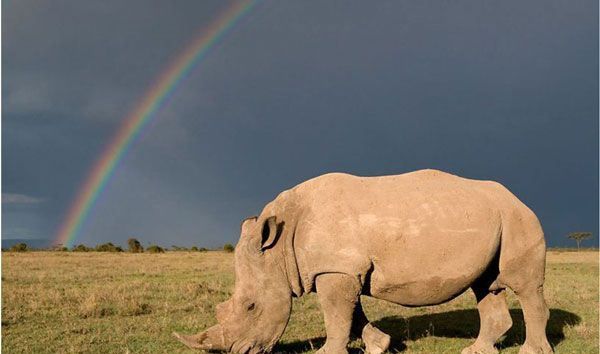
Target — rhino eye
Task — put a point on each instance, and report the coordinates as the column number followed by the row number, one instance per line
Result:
column 250, row 307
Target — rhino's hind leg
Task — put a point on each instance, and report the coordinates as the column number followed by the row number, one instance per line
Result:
column 494, row 320
column 376, row 342
column 536, row 316
column 522, row 270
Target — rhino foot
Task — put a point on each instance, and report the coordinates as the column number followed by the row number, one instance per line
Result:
column 530, row 349
column 327, row 350
column 376, row 342
column 480, row 349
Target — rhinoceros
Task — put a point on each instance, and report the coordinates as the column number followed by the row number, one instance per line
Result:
column 414, row 239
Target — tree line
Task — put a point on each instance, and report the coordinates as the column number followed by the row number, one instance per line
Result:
column 133, row 246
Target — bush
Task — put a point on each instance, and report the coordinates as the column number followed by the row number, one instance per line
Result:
column 228, row 247
column 194, row 248
column 155, row 249
column 58, row 248
column 135, row 246
column 19, row 247
column 108, row 247
column 177, row 248
column 203, row 249
column 81, row 248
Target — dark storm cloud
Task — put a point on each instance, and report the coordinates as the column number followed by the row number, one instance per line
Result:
column 504, row 91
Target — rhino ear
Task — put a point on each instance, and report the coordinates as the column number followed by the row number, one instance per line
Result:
column 248, row 224
column 270, row 232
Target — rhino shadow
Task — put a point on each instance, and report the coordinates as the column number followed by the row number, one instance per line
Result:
column 451, row 324
column 465, row 324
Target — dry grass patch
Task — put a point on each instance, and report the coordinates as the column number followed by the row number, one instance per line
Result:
column 120, row 302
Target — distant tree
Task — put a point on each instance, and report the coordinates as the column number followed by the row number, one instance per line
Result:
column 155, row 249
column 19, row 247
column 579, row 236
column 135, row 246
column 59, row 247
column 198, row 249
column 108, row 247
column 81, row 248
column 228, row 247
column 178, row 248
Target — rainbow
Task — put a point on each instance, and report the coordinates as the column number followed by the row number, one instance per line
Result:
column 152, row 101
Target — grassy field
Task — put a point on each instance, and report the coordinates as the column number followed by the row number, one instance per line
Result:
column 54, row 302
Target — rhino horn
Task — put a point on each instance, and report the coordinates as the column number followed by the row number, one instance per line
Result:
column 211, row 339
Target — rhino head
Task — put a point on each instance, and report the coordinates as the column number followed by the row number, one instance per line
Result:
column 254, row 318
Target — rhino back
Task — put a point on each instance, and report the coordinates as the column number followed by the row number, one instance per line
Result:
column 424, row 235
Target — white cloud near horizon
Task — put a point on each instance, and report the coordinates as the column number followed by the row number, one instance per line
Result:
column 15, row 198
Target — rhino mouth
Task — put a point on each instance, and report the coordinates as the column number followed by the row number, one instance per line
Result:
column 247, row 347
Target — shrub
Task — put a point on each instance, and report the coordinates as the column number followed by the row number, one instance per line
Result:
column 155, row 249
column 58, row 248
column 81, row 248
column 108, row 247
column 199, row 249
column 177, row 248
column 19, row 247
column 228, row 247
column 135, row 246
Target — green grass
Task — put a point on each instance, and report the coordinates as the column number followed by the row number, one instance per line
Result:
column 55, row 302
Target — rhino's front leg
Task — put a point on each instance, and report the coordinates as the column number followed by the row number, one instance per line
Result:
column 338, row 295
column 376, row 342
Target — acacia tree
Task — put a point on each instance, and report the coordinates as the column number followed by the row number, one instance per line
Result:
column 579, row 236
column 135, row 246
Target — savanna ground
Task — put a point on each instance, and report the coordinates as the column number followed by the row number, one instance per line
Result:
column 55, row 302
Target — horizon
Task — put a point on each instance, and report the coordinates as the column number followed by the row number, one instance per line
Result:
column 184, row 248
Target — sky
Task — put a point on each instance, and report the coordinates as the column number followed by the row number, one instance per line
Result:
column 506, row 91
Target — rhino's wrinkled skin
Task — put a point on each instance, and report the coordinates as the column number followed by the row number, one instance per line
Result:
column 415, row 239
